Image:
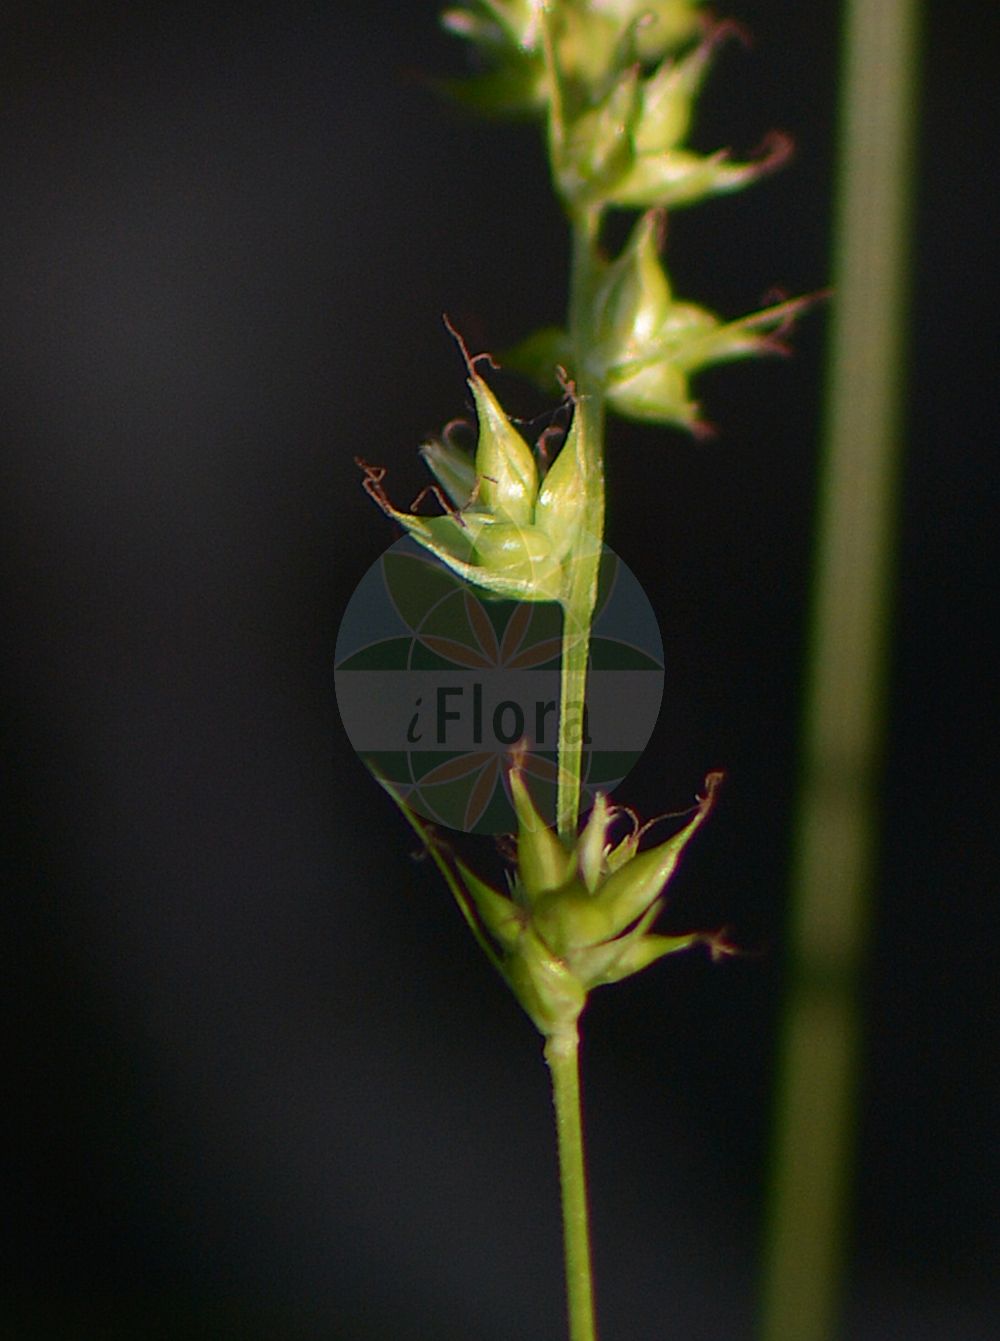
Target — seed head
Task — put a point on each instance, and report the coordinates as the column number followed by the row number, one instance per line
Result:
column 575, row 916
column 506, row 527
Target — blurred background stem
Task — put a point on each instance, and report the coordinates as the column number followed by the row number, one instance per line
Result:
column 844, row 724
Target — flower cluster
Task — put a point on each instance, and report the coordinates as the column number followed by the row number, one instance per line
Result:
column 647, row 343
column 591, row 42
column 574, row 917
column 620, row 79
column 507, row 527
column 627, row 79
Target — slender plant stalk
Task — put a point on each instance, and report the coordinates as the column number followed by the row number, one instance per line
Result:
column 562, row 1055
column 845, row 704
column 616, row 83
column 562, row 1050
column 578, row 615
column 584, row 564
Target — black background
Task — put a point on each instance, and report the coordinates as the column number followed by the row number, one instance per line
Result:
column 263, row 1086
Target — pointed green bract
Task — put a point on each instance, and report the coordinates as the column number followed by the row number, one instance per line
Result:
column 453, row 468
column 506, row 474
column 634, row 301
column 598, row 150
column 643, row 951
column 591, row 845
column 561, row 506
column 667, row 101
column 636, row 884
column 499, row 915
column 543, row 863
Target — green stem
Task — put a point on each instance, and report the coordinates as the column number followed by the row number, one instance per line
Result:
column 579, row 601
column 585, row 225
column 583, row 567
column 584, row 563
column 562, row 1055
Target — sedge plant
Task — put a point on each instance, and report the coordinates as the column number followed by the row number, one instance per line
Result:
column 614, row 83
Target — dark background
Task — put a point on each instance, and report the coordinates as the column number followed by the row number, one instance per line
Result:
column 263, row 1086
